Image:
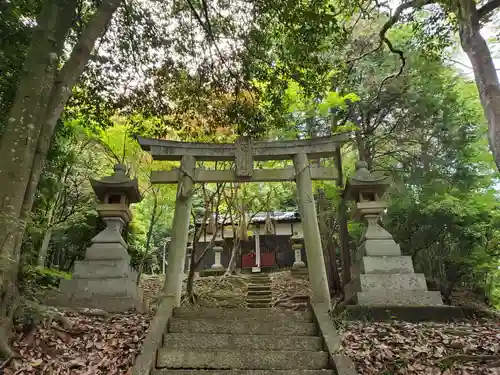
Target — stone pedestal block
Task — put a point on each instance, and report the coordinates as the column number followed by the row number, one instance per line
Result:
column 378, row 248
column 405, row 297
column 388, row 282
column 103, row 282
column 383, row 264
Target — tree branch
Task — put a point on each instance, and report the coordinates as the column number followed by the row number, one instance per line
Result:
column 383, row 39
column 487, row 8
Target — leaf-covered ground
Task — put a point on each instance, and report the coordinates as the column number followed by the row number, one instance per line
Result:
column 94, row 345
column 424, row 348
column 101, row 344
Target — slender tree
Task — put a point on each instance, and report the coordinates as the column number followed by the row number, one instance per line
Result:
column 43, row 90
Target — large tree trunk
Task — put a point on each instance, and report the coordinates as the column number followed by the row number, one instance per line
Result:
column 39, row 101
column 485, row 74
column 61, row 91
column 17, row 147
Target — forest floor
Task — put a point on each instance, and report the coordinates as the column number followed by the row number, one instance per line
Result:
column 95, row 343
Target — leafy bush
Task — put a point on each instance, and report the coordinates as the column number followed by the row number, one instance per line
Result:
column 36, row 280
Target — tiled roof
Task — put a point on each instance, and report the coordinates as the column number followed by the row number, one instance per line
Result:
column 260, row 217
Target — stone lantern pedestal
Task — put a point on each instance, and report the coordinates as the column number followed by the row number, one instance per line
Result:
column 104, row 279
column 218, row 255
column 380, row 274
column 217, row 268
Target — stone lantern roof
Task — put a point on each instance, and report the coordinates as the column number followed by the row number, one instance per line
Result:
column 364, row 181
column 118, row 183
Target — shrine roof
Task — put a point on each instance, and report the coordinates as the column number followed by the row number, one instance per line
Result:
column 260, row 217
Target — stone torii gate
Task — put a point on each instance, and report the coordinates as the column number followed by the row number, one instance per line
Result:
column 244, row 152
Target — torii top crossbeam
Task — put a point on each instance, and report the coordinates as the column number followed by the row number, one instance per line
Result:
column 243, row 152
column 281, row 150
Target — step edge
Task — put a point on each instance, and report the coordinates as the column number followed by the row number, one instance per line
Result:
column 318, row 352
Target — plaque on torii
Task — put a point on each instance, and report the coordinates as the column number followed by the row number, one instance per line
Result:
column 243, row 157
column 243, row 152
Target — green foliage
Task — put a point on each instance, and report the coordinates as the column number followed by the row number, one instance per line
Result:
column 15, row 33
column 36, row 280
column 277, row 70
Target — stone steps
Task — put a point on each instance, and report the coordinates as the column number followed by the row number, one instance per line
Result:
column 238, row 314
column 228, row 359
column 241, row 327
column 242, row 372
column 210, row 341
column 259, row 294
column 265, row 292
column 258, row 305
column 259, row 287
column 241, row 342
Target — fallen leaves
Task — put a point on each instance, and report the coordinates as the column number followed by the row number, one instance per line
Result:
column 289, row 292
column 459, row 348
column 98, row 344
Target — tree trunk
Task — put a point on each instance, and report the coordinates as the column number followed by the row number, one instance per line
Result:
column 42, row 253
column 485, row 74
column 39, row 101
column 17, row 147
column 329, row 253
column 345, row 256
column 190, row 294
column 193, row 265
column 236, row 251
column 60, row 94
column 62, row 89
column 152, row 224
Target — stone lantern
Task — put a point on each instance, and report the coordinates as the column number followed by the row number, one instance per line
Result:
column 380, row 274
column 298, row 267
column 218, row 253
column 296, row 241
column 104, row 279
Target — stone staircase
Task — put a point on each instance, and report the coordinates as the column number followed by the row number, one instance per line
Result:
column 259, row 293
column 242, row 342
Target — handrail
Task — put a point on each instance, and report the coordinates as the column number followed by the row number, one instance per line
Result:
column 342, row 364
column 146, row 360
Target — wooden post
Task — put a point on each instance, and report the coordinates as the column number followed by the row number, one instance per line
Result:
column 312, row 238
column 180, row 229
column 257, row 249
